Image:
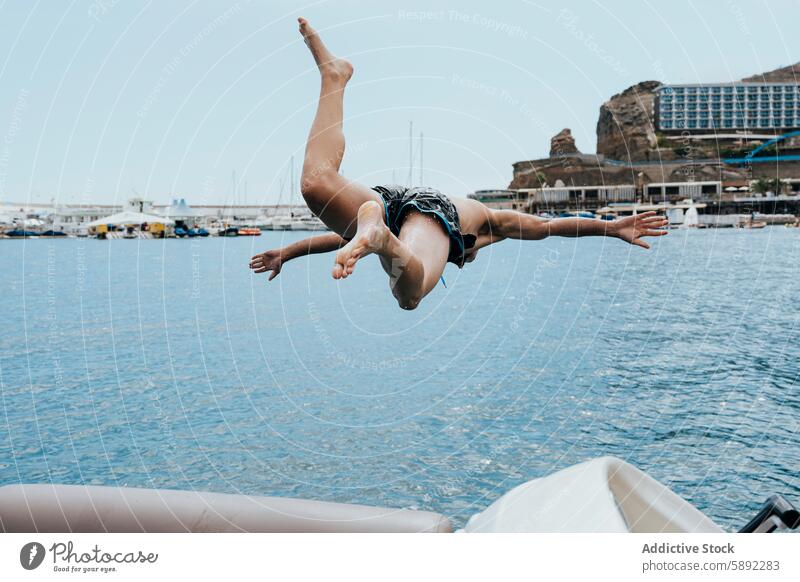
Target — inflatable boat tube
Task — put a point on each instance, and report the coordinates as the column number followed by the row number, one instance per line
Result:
column 77, row 508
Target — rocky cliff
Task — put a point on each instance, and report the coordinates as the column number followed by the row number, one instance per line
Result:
column 790, row 74
column 625, row 128
column 562, row 144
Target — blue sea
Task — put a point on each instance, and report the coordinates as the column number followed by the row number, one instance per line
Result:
column 168, row 364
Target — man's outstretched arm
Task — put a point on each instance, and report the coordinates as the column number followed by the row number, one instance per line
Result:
column 273, row 260
column 512, row 224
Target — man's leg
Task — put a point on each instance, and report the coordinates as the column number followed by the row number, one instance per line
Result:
column 414, row 262
column 426, row 239
column 329, row 195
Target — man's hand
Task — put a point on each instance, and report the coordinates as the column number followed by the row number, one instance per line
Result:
column 632, row 228
column 268, row 261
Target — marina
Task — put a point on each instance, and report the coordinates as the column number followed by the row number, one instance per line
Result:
column 141, row 219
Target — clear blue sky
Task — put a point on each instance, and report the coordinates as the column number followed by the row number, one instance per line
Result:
column 102, row 99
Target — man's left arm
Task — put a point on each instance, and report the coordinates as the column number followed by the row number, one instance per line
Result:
column 512, row 224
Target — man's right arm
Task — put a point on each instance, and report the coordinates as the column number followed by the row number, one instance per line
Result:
column 323, row 243
column 273, row 260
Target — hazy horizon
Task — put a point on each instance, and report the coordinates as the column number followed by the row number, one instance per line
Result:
column 104, row 100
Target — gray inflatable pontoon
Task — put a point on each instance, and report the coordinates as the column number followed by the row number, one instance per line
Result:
column 602, row 495
column 78, row 508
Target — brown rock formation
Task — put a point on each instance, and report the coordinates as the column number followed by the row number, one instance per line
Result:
column 563, row 143
column 573, row 171
column 790, row 74
column 625, row 128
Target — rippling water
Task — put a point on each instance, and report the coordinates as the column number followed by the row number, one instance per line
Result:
column 167, row 364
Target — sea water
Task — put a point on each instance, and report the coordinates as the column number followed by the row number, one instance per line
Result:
column 168, row 364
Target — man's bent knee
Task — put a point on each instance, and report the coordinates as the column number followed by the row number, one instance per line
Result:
column 317, row 186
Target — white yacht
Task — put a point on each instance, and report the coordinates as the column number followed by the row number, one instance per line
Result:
column 307, row 222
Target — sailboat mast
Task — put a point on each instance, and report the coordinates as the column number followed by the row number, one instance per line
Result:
column 421, row 161
column 291, row 191
column 410, row 153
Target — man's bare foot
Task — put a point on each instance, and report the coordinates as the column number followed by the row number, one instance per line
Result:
column 330, row 67
column 372, row 236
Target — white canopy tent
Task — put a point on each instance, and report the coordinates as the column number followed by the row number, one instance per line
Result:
column 127, row 217
column 179, row 209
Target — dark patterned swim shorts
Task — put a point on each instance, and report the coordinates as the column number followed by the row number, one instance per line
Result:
column 399, row 200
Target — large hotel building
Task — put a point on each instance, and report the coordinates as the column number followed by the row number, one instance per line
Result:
column 728, row 106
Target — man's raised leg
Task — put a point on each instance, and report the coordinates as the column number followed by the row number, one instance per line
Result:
column 329, row 195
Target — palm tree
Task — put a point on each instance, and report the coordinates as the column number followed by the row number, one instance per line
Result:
column 764, row 185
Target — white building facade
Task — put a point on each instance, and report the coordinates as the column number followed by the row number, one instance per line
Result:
column 728, row 106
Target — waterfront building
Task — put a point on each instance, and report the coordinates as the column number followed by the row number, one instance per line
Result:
column 682, row 190
column 728, row 106
column 579, row 196
column 502, row 199
column 73, row 219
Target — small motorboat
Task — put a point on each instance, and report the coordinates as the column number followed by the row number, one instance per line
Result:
column 180, row 232
column 229, row 231
column 751, row 224
column 602, row 495
column 21, row 233
column 246, row 231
